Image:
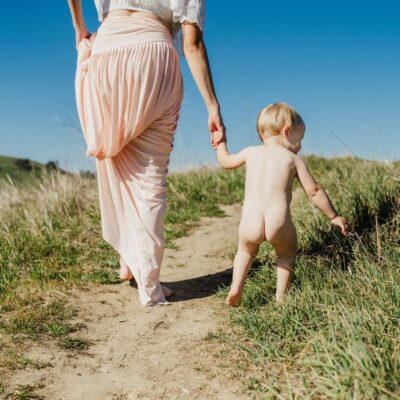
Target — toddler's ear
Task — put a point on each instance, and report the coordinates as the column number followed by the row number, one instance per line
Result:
column 285, row 131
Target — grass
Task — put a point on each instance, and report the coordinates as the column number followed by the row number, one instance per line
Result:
column 23, row 170
column 25, row 392
column 199, row 194
column 50, row 242
column 336, row 335
column 70, row 343
column 24, row 362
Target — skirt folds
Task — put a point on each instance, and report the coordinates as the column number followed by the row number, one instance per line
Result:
column 129, row 91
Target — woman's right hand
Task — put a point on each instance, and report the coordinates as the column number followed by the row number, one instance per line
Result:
column 80, row 34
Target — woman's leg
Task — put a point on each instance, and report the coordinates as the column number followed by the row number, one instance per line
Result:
column 125, row 273
column 132, row 189
column 128, row 99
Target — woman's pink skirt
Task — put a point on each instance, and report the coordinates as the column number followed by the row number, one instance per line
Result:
column 129, row 91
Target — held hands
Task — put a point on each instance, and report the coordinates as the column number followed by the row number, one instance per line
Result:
column 342, row 224
column 217, row 137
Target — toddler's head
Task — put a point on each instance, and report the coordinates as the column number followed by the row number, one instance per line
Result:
column 280, row 119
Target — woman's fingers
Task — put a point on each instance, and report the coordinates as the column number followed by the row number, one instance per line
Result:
column 215, row 122
column 217, row 137
column 217, row 129
column 81, row 34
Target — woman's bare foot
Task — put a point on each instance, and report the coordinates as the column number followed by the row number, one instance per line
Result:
column 125, row 276
column 234, row 297
column 167, row 291
column 124, row 273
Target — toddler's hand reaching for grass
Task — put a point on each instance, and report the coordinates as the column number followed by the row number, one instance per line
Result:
column 342, row 224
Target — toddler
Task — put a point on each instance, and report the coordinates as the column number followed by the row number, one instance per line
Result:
column 270, row 170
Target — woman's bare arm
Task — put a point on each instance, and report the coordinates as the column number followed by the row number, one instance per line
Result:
column 197, row 59
column 81, row 31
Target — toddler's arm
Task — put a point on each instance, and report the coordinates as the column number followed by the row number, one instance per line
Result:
column 230, row 160
column 318, row 196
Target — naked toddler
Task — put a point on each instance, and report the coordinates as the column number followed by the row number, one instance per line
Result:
column 270, row 170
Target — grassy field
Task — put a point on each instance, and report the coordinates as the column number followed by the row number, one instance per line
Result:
column 336, row 336
column 23, row 170
column 50, row 242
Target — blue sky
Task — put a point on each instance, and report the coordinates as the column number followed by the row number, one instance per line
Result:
column 337, row 62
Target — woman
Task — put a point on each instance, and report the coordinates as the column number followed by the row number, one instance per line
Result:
column 129, row 92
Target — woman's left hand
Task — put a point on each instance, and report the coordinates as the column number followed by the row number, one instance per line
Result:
column 217, row 129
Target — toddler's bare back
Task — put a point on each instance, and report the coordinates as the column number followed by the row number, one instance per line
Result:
column 270, row 170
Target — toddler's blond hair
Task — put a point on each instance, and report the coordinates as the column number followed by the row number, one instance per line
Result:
column 274, row 117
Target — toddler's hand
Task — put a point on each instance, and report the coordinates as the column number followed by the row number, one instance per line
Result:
column 217, row 137
column 342, row 224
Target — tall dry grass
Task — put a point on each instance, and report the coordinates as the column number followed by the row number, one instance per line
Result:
column 50, row 240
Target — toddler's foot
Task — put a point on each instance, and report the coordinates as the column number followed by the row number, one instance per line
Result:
column 280, row 297
column 167, row 291
column 234, row 297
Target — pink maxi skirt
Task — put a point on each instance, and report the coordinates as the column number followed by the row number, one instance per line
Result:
column 129, row 91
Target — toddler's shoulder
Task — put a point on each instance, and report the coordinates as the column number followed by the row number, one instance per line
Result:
column 250, row 150
column 299, row 162
column 254, row 149
column 289, row 157
column 297, row 158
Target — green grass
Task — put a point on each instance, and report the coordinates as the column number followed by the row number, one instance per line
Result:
column 71, row 343
column 25, row 392
column 336, row 336
column 23, row 171
column 25, row 362
column 50, row 241
column 199, row 194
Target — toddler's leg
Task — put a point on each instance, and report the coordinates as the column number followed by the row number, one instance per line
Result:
column 285, row 244
column 251, row 234
column 241, row 265
column 286, row 263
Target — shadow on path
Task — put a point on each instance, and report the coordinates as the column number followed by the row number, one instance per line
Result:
column 200, row 287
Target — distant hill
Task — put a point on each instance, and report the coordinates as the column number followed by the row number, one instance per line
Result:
column 23, row 169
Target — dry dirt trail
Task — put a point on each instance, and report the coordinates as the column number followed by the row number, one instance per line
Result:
column 157, row 352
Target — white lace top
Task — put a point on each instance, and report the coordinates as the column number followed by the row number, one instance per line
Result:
column 173, row 11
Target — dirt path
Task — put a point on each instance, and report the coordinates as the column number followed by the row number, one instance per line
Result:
column 157, row 352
